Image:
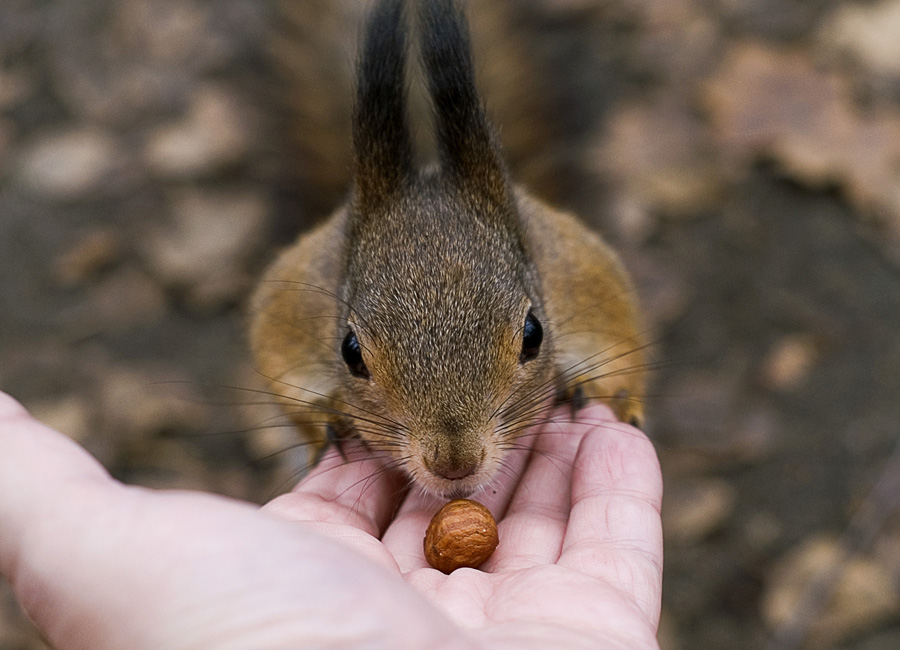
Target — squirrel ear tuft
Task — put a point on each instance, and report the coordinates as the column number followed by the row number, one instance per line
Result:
column 467, row 144
column 381, row 138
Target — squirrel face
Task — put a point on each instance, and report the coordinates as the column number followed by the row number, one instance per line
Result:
column 438, row 312
column 441, row 326
column 443, row 340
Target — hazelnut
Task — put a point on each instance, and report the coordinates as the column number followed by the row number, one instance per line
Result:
column 461, row 534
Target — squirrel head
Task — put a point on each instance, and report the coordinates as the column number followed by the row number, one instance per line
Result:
column 443, row 341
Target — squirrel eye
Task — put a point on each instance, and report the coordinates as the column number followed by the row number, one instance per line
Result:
column 353, row 356
column 532, row 335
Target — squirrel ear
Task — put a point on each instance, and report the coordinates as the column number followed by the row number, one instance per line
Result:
column 381, row 139
column 467, row 144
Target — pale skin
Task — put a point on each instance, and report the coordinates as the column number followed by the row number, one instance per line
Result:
column 97, row 564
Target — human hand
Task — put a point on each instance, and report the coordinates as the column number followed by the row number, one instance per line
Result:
column 580, row 557
column 100, row 565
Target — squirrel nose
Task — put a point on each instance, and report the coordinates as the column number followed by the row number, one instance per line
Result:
column 455, row 472
column 453, row 469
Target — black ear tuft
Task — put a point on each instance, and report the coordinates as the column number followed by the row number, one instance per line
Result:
column 380, row 133
column 465, row 139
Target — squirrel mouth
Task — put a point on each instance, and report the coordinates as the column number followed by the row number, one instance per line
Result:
column 454, row 488
column 459, row 491
column 455, row 480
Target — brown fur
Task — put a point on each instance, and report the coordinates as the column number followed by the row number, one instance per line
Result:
column 434, row 272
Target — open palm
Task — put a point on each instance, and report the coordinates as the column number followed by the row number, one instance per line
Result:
column 335, row 563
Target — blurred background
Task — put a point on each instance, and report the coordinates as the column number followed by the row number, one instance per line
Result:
column 743, row 155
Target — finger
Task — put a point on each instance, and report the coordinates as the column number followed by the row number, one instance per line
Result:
column 615, row 532
column 535, row 523
column 406, row 533
column 348, row 487
column 35, row 462
column 49, row 487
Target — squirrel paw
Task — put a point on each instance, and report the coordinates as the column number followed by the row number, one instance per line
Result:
column 627, row 408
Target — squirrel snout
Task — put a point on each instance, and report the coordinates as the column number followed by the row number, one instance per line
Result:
column 455, row 471
column 453, row 461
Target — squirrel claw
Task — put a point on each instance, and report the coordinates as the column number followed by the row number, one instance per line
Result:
column 577, row 400
column 332, row 439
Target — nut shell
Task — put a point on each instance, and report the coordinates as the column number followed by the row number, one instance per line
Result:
column 461, row 534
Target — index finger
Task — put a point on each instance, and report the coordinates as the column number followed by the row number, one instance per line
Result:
column 615, row 531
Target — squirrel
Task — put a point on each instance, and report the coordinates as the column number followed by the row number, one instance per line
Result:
column 442, row 309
